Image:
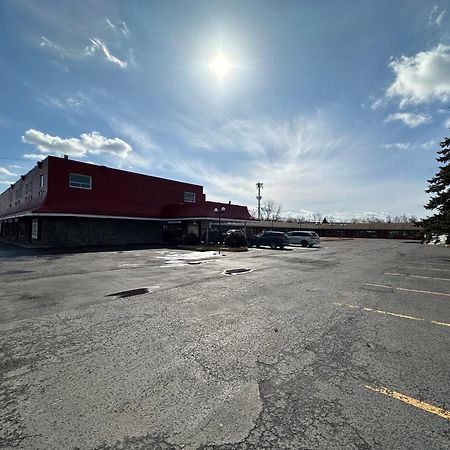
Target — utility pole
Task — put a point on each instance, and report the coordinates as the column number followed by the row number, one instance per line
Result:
column 259, row 186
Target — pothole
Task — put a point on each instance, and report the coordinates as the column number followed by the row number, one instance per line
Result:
column 129, row 293
column 196, row 263
column 236, row 271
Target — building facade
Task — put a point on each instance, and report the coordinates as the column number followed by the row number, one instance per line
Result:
column 66, row 203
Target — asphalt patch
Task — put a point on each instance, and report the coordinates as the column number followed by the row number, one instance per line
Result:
column 236, row 271
column 129, row 293
column 368, row 287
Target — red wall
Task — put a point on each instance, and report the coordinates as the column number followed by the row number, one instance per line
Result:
column 114, row 192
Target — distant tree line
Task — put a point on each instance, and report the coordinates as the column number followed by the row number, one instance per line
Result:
column 271, row 210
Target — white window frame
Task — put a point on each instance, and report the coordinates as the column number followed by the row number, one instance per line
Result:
column 80, row 187
column 41, row 180
column 187, row 195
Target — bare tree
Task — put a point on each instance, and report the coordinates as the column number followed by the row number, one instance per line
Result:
column 317, row 217
column 270, row 210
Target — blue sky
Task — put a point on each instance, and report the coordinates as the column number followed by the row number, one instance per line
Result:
column 337, row 107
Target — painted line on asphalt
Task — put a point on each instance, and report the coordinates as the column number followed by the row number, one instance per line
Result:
column 411, row 401
column 387, row 313
column 428, row 268
column 429, row 263
column 423, row 292
column 408, row 290
column 415, row 276
column 377, row 285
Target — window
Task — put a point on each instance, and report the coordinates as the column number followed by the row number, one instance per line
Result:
column 80, row 181
column 41, row 180
column 189, row 197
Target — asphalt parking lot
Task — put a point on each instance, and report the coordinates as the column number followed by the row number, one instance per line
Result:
column 342, row 346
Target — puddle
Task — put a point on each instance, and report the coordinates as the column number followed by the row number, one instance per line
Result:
column 236, row 271
column 129, row 293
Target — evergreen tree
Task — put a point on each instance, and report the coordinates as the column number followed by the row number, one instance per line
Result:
column 439, row 187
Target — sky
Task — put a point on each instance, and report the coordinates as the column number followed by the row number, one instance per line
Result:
column 337, row 107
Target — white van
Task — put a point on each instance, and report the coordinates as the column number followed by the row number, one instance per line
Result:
column 305, row 238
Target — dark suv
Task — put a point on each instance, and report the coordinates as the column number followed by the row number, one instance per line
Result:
column 273, row 239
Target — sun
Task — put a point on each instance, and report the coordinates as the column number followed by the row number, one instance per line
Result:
column 221, row 66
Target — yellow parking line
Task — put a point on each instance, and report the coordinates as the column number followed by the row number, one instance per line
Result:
column 411, row 401
column 387, row 313
column 415, row 276
column 440, row 323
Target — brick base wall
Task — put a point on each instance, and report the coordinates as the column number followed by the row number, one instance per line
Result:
column 84, row 232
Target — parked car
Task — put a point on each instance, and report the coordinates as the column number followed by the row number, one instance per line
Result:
column 273, row 239
column 305, row 238
column 234, row 231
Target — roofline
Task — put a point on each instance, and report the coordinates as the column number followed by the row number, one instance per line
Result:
column 121, row 170
column 99, row 216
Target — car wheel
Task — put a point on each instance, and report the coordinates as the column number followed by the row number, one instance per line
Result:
column 273, row 245
column 310, row 246
column 281, row 247
column 257, row 245
column 304, row 244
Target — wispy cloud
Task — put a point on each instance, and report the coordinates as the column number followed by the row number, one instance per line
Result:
column 96, row 46
column 88, row 144
column 422, row 78
column 398, row 145
column 436, row 16
column 58, row 49
column 99, row 46
column 447, row 123
column 119, row 26
column 73, row 103
column 410, row 119
column 429, row 145
column 5, row 172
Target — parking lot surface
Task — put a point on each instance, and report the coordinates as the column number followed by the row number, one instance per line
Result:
column 342, row 346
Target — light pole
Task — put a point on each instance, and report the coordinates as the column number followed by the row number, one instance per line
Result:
column 220, row 211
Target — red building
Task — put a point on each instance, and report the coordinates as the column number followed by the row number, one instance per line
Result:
column 62, row 203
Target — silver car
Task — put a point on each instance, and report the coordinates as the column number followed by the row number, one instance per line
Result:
column 304, row 238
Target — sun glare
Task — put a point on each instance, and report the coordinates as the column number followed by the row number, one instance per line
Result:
column 221, row 66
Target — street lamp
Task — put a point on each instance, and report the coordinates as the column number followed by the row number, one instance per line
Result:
column 220, row 211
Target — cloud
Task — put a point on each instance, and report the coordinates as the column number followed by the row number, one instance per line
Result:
column 96, row 46
column 99, row 46
column 72, row 103
column 436, row 16
column 139, row 135
column 447, row 123
column 6, row 172
column 378, row 103
column 58, row 49
column 429, row 145
column 422, row 78
column 398, row 145
column 410, row 119
column 88, row 144
column 119, row 27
